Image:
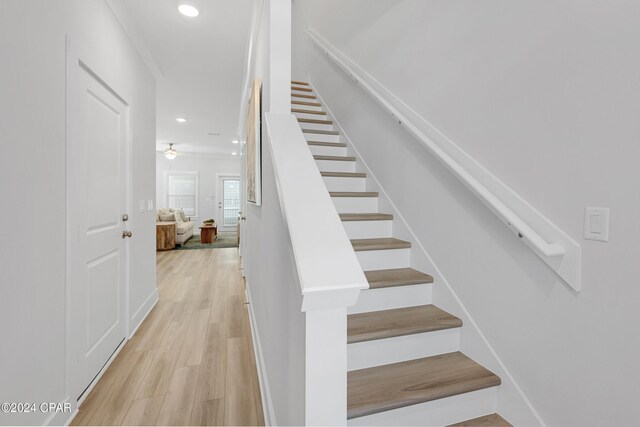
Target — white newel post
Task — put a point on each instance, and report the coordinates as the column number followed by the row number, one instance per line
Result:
column 326, row 367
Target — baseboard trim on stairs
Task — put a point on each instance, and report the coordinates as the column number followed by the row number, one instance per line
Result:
column 265, row 393
column 498, row 365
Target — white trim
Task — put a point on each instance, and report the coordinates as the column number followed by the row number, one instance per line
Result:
column 145, row 309
column 220, row 199
column 169, row 173
column 265, row 392
column 75, row 60
column 438, row 276
column 548, row 241
column 62, row 418
column 128, row 25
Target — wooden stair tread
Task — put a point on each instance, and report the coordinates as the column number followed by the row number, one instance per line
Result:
column 365, row 217
column 344, row 174
column 397, row 322
column 297, row 110
column 338, row 158
column 321, row 132
column 315, row 121
column 491, row 420
column 378, row 244
column 353, row 193
column 308, row 103
column 327, row 144
column 303, row 89
column 396, row 277
column 301, row 95
column 296, row 82
column 382, row 388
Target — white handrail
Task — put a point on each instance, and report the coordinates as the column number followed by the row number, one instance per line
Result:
column 552, row 251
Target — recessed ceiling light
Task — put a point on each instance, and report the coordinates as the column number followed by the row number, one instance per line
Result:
column 234, row 153
column 235, row 141
column 181, row 119
column 188, row 10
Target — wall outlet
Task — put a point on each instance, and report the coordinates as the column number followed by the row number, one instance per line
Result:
column 596, row 224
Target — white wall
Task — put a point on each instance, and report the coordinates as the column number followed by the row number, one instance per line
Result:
column 32, row 107
column 208, row 168
column 542, row 95
column 272, row 280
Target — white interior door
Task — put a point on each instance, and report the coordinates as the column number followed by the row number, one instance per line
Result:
column 98, row 188
column 228, row 202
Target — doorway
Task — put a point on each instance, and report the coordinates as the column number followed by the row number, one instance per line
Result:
column 228, row 195
column 98, row 188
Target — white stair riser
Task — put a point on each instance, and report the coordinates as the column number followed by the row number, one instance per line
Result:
column 336, row 165
column 441, row 412
column 334, row 183
column 305, row 107
column 316, row 125
column 368, row 229
column 356, row 204
column 296, row 96
column 398, row 349
column 321, row 137
column 384, row 259
column 309, row 116
column 392, row 297
column 323, row 150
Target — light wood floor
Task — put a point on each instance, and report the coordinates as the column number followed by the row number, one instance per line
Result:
column 192, row 360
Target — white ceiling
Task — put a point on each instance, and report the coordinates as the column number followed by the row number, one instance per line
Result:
column 200, row 65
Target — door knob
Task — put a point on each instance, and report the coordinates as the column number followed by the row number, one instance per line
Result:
column 126, row 234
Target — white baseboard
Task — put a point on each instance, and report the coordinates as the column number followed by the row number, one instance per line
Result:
column 142, row 312
column 62, row 418
column 267, row 403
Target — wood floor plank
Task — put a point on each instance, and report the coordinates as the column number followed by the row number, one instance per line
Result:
column 379, row 244
column 396, row 322
column 178, row 402
column 208, row 413
column 212, row 374
column 174, row 369
column 396, row 277
column 240, row 409
column 143, row 412
column 382, row 388
column 491, row 420
column 194, row 340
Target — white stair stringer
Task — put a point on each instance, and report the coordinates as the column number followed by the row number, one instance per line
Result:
column 366, row 354
column 440, row 412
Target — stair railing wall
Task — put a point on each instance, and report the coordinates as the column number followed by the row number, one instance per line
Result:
column 327, row 277
column 559, row 251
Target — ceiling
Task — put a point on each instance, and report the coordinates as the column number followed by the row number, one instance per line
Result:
column 199, row 65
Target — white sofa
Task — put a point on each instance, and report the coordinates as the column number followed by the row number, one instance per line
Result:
column 184, row 225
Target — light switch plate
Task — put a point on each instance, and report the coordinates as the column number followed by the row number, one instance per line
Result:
column 141, row 206
column 596, row 224
column 149, row 205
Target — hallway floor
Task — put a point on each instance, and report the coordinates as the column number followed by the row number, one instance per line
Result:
column 192, row 360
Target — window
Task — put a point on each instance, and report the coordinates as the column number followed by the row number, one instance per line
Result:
column 182, row 192
column 231, row 201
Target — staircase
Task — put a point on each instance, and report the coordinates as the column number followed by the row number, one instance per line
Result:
column 404, row 359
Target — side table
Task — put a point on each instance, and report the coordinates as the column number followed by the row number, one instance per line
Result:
column 208, row 233
column 165, row 236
